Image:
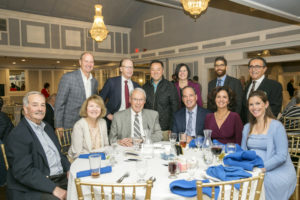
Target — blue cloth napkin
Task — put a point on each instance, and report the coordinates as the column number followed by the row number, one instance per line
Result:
column 188, row 188
column 192, row 143
column 245, row 159
column 85, row 156
column 103, row 170
column 228, row 173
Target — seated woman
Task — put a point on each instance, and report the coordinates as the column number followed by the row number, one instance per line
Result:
column 90, row 132
column 267, row 137
column 226, row 125
column 183, row 73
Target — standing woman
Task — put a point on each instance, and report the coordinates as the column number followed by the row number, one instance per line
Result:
column 267, row 137
column 183, row 73
column 225, row 124
column 45, row 91
column 90, row 132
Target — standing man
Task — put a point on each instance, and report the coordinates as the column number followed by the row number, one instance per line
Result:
column 161, row 96
column 290, row 88
column 116, row 90
column 37, row 168
column 74, row 88
column 49, row 116
column 224, row 79
column 257, row 68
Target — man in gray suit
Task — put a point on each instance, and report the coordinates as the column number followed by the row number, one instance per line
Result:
column 133, row 121
column 74, row 88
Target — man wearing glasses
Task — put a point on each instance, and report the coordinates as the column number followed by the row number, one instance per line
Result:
column 257, row 67
column 224, row 79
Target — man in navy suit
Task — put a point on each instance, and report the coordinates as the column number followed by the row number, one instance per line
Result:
column 190, row 119
column 116, row 90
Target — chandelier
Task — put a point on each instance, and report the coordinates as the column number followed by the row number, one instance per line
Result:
column 98, row 31
column 195, row 7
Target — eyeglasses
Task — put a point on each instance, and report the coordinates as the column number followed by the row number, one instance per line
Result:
column 220, row 65
column 128, row 67
column 255, row 67
column 138, row 100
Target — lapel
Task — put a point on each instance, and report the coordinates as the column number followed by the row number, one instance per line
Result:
column 80, row 81
column 87, row 135
column 184, row 119
column 118, row 89
column 145, row 121
column 226, row 82
column 127, row 123
column 262, row 84
column 199, row 120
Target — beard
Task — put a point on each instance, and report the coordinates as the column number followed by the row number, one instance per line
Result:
column 221, row 73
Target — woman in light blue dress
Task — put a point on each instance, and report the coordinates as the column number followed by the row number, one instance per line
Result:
column 268, row 138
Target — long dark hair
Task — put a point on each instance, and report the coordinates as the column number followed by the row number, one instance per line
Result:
column 268, row 114
column 231, row 97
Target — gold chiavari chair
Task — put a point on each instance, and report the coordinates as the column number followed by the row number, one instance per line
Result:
column 4, row 156
column 64, row 138
column 259, row 179
column 148, row 185
column 291, row 124
column 294, row 150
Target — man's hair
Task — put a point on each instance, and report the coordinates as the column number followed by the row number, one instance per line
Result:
column 190, row 88
column 196, row 78
column 157, row 61
column 84, row 53
column 25, row 98
column 221, row 58
column 258, row 58
column 121, row 61
column 179, row 66
column 138, row 89
column 46, row 85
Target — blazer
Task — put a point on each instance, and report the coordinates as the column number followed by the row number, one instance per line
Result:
column 179, row 122
column 235, row 85
column 196, row 86
column 70, row 97
column 112, row 93
column 28, row 165
column 81, row 140
column 274, row 94
column 121, row 125
column 49, row 116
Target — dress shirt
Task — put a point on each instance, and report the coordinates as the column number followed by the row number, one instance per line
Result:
column 222, row 80
column 130, row 88
column 87, row 84
column 187, row 115
column 155, row 85
column 257, row 83
column 140, row 123
column 49, row 147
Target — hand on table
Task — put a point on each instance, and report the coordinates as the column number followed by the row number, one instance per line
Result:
column 60, row 193
column 127, row 142
column 189, row 139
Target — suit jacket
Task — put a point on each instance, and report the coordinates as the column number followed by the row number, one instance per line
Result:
column 5, row 126
column 81, row 140
column 26, row 177
column 179, row 122
column 49, row 116
column 70, row 97
column 112, row 93
column 235, row 85
column 121, row 125
column 274, row 94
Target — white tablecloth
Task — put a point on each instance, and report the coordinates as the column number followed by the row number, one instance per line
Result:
column 156, row 168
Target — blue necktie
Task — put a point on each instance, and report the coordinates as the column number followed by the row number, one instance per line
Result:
column 219, row 82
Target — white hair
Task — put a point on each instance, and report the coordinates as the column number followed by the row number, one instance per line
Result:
column 138, row 89
column 25, row 98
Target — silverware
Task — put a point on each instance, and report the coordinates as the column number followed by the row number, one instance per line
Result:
column 122, row 177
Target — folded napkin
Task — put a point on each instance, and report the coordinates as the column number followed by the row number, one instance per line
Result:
column 245, row 159
column 192, row 143
column 228, row 173
column 188, row 188
column 103, row 170
column 88, row 154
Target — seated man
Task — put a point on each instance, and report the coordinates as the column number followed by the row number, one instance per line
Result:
column 131, row 122
column 189, row 120
column 37, row 169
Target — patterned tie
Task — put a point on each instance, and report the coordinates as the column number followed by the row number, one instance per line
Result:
column 253, row 86
column 136, row 127
column 189, row 127
column 219, row 82
column 126, row 95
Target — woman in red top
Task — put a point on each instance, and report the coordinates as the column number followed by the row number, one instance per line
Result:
column 45, row 91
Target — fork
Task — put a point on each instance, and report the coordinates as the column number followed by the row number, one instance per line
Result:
column 122, row 177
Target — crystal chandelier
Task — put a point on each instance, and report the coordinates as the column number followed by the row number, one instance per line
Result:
column 98, row 31
column 195, row 7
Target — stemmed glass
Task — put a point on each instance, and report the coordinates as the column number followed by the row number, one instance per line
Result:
column 191, row 167
column 217, row 150
column 141, row 169
column 173, row 138
column 199, row 142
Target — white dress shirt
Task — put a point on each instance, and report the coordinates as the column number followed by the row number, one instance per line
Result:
column 130, row 88
column 257, row 83
column 87, row 82
column 140, row 121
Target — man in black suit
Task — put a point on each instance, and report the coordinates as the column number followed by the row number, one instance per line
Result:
column 37, row 168
column 257, row 68
column 190, row 119
column 116, row 90
column 224, row 79
column 49, row 116
column 5, row 123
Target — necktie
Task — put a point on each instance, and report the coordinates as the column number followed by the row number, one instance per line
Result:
column 126, row 95
column 219, row 82
column 253, row 86
column 189, row 127
column 136, row 127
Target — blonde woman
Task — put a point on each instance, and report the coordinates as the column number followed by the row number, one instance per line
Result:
column 90, row 132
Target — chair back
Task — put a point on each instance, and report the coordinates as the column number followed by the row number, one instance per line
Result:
column 294, row 150
column 291, row 124
column 245, row 184
column 4, row 156
column 148, row 185
column 64, row 139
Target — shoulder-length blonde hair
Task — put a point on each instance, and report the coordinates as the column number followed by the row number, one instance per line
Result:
column 98, row 100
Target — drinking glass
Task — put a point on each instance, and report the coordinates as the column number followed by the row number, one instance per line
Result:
column 173, row 168
column 173, row 138
column 182, row 139
column 191, row 168
column 136, row 143
column 95, row 164
column 199, row 141
column 216, row 150
column 207, row 156
column 141, row 169
column 231, row 148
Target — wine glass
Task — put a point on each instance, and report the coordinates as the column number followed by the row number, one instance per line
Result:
column 191, row 168
column 217, row 150
column 199, row 142
column 173, row 138
column 141, row 169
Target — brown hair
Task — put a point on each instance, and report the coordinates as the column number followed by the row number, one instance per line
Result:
column 98, row 100
column 213, row 95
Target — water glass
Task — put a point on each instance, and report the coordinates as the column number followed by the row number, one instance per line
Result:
column 95, row 164
column 231, row 148
column 172, row 166
column 191, row 168
column 199, row 141
column 207, row 156
column 173, row 138
column 136, row 143
column 141, row 169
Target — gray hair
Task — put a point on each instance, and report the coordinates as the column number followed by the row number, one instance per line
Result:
column 140, row 90
column 25, row 98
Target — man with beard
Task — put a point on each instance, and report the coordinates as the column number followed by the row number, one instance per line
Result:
column 225, row 80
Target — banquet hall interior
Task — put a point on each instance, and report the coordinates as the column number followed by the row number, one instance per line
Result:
column 42, row 40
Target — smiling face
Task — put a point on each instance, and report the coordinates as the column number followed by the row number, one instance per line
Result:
column 189, row 98
column 220, row 68
column 127, row 68
column 36, row 108
column 257, row 69
column 93, row 110
column 183, row 73
column 137, row 100
column 257, row 107
column 222, row 99
column 87, row 63
column 156, row 71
